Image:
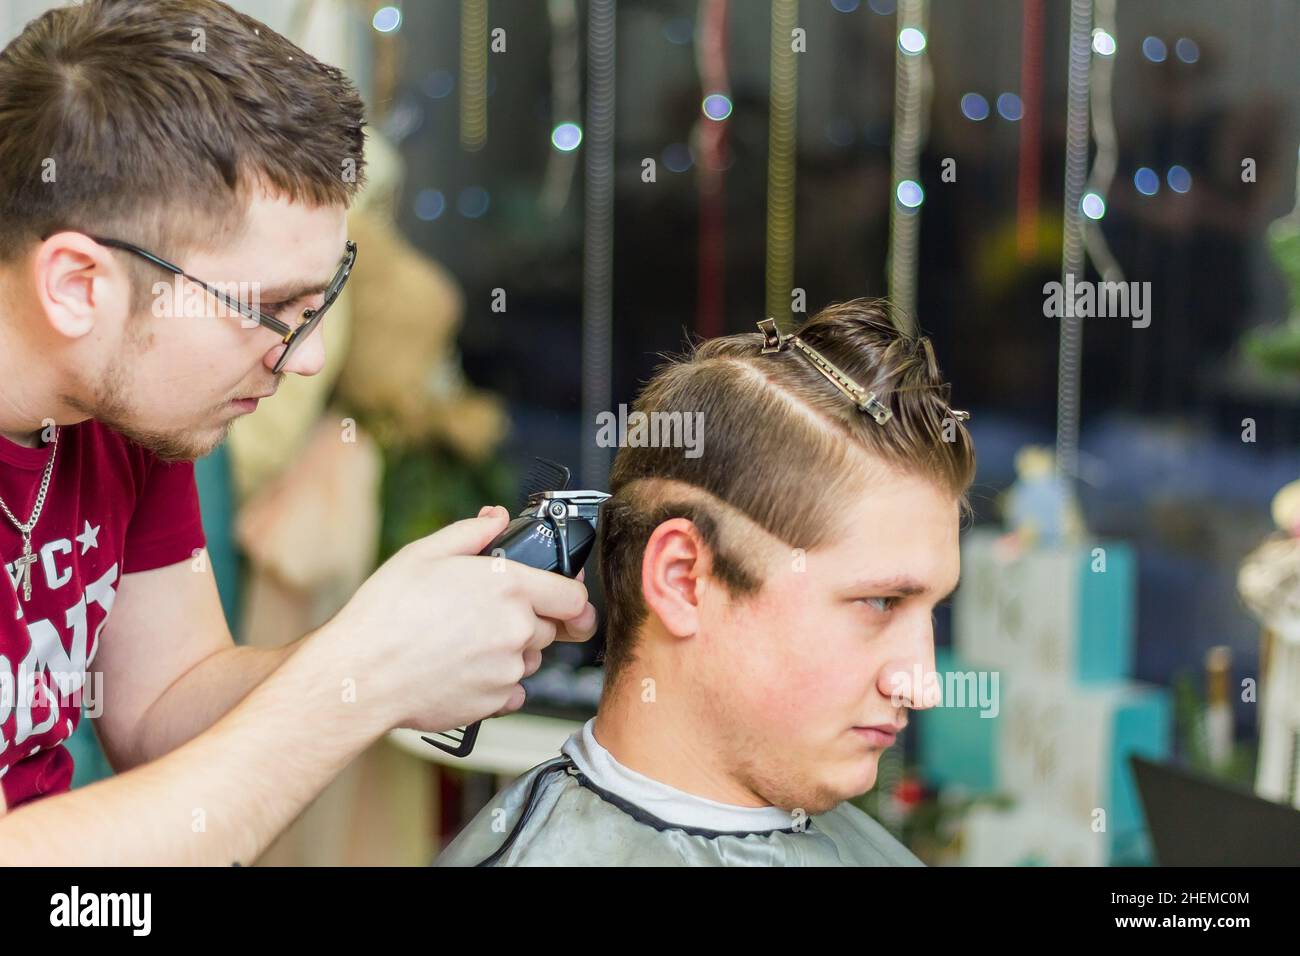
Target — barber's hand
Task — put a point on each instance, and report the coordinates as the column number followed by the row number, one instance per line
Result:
column 444, row 635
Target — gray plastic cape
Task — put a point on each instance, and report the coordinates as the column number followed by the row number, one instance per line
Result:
column 554, row 815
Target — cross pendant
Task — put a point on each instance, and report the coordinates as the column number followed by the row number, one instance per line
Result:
column 24, row 566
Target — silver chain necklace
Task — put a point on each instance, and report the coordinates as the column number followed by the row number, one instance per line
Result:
column 28, row 559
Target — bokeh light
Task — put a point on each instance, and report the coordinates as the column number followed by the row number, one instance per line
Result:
column 1146, row 181
column 679, row 30
column 1179, row 179
column 438, row 84
column 911, row 40
column 387, row 19
column 910, row 193
column 1187, row 50
column 1153, row 48
column 974, row 107
column 716, row 106
column 566, row 137
column 429, row 204
column 473, row 202
column 1009, row 107
column 677, row 157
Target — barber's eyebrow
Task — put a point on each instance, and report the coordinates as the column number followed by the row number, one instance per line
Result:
column 291, row 291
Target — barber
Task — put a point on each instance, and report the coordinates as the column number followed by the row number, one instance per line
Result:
column 136, row 160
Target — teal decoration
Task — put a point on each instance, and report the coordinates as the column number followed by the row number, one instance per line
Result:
column 1143, row 726
column 217, row 502
column 89, row 762
column 1068, row 611
column 1107, row 611
column 957, row 746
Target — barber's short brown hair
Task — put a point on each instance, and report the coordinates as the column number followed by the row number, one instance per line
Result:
column 153, row 121
column 782, row 446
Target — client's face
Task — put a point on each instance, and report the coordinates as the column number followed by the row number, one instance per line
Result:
column 836, row 641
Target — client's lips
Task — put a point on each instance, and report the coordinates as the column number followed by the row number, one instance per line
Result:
column 879, row 735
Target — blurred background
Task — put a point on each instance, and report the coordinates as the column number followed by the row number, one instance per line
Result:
column 560, row 191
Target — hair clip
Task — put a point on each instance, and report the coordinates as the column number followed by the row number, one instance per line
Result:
column 774, row 341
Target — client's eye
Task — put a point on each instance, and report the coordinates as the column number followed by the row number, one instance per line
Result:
column 882, row 604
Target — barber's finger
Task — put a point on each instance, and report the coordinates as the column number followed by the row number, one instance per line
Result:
column 517, row 698
column 469, row 536
column 580, row 628
column 543, row 634
column 550, row 594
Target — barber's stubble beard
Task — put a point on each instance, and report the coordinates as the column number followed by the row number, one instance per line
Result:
column 110, row 408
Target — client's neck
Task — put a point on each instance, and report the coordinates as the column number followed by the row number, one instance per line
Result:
column 656, row 730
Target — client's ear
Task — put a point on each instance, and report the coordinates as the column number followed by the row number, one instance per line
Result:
column 675, row 563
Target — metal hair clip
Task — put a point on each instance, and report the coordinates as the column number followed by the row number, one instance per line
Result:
column 774, row 341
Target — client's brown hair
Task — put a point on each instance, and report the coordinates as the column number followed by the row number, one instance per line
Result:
column 781, row 446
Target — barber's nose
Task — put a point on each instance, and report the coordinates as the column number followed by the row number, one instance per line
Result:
column 308, row 356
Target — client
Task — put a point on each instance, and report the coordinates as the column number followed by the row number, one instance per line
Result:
column 769, row 618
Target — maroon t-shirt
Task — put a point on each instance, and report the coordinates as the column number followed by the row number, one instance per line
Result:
column 112, row 508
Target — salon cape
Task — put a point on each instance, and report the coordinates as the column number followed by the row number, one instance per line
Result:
column 584, row 808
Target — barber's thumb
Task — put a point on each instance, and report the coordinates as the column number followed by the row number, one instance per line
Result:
column 470, row 535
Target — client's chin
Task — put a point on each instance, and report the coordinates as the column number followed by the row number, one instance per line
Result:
column 827, row 789
column 861, row 777
column 854, row 778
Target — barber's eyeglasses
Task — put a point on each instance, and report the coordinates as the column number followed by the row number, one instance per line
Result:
column 292, row 336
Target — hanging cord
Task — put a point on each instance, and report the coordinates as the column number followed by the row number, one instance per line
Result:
column 1072, row 255
column 783, row 99
column 473, row 74
column 598, row 250
column 562, row 165
column 911, row 79
column 1103, row 134
column 710, row 171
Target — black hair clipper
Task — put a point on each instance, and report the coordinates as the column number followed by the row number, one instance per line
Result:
column 555, row 531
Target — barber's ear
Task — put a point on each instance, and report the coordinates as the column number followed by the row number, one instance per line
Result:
column 673, row 573
column 79, row 283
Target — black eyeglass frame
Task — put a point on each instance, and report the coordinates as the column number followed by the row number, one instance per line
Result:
column 289, row 335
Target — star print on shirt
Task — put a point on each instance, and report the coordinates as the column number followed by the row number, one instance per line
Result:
column 89, row 538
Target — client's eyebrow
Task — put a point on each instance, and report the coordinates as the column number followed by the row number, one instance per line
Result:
column 901, row 585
